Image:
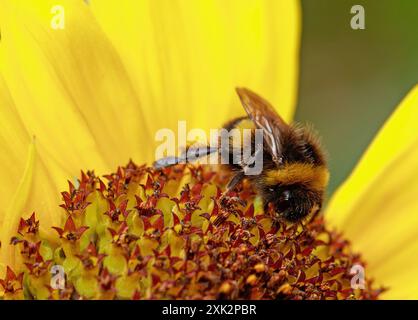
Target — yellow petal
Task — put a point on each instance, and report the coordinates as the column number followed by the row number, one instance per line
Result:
column 186, row 57
column 377, row 206
column 67, row 88
column 12, row 215
column 70, row 87
column 25, row 184
column 14, row 140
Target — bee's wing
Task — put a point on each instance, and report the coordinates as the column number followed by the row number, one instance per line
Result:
column 265, row 117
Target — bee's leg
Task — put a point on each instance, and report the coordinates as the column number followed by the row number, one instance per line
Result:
column 194, row 153
column 231, row 185
column 275, row 224
column 302, row 232
column 233, row 182
column 165, row 162
column 304, row 224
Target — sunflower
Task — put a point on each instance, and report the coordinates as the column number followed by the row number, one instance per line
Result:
column 92, row 95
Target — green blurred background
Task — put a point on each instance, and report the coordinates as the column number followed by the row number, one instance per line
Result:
column 351, row 80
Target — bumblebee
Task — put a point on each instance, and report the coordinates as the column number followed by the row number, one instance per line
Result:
column 294, row 175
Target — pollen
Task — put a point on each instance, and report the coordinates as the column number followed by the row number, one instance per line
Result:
column 142, row 233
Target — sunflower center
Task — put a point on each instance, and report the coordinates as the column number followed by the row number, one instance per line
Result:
column 142, row 233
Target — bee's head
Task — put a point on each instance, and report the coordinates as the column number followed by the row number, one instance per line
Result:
column 296, row 190
column 293, row 203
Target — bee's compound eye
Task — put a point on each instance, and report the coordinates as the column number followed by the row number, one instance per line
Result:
column 283, row 202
